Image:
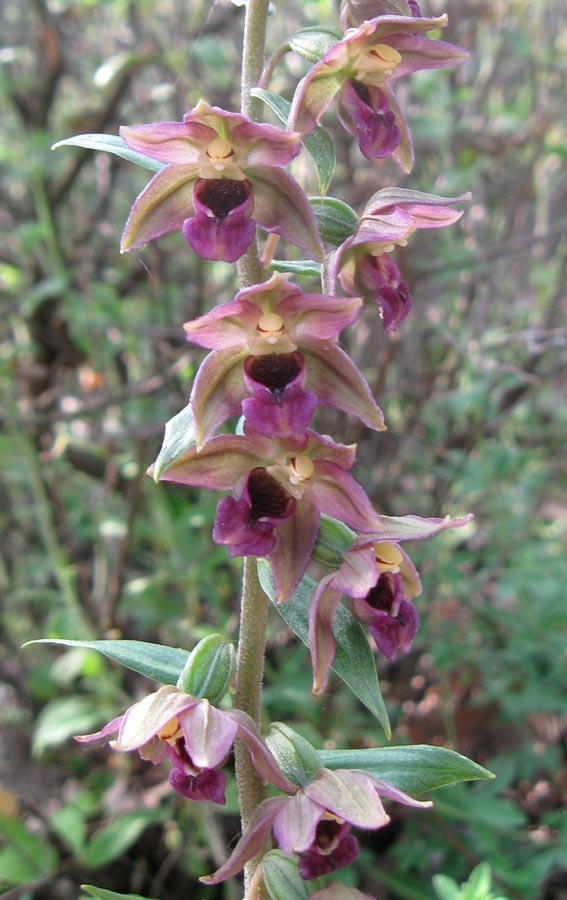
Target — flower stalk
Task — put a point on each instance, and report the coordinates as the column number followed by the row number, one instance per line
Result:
column 254, row 603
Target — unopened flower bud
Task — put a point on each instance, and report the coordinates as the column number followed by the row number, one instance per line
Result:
column 297, row 759
column 208, row 672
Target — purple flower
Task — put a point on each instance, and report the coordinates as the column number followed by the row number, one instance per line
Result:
column 279, row 489
column 222, row 176
column 381, row 581
column 359, row 70
column 195, row 736
column 315, row 822
column 280, row 345
column 362, row 264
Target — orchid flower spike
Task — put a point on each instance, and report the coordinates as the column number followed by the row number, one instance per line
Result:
column 359, row 70
column 363, row 265
column 316, row 822
column 279, row 345
column 195, row 736
column 222, row 176
column 381, row 582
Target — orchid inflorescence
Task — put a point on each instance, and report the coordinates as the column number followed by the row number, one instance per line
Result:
column 274, row 359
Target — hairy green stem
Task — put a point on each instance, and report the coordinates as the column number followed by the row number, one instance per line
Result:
column 254, row 603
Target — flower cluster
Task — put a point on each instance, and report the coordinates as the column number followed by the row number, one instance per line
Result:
column 274, row 359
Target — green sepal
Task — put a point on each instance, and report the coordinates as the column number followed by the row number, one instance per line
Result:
column 333, row 541
column 209, row 670
column 163, row 664
column 312, row 43
column 282, row 878
column 317, row 143
column 337, row 220
column 110, row 143
column 413, row 769
column 179, row 436
column 297, row 759
column 354, row 661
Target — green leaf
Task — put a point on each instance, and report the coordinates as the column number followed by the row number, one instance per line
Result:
column 110, row 143
column 111, row 841
column 26, row 857
column 312, row 43
column 297, row 267
column 413, row 769
column 179, row 436
column 318, row 143
column 65, row 717
column 354, row 661
column 163, row 664
column 103, row 894
column 282, row 878
column 336, row 220
column 69, row 824
column 446, row 888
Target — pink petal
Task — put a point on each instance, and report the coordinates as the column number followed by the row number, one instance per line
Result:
column 337, row 382
column 322, row 642
column 338, row 495
column 250, row 842
column 350, row 795
column 163, row 206
column 281, row 206
column 218, row 391
column 169, row 142
column 209, row 734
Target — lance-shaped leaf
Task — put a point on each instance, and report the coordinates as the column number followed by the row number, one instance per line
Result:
column 163, row 664
column 413, row 769
column 110, row 143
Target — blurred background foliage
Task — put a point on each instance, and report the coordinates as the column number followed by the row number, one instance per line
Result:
column 93, row 362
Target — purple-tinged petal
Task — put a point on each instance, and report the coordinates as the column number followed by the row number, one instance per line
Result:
column 206, row 786
column 180, row 143
column 224, row 239
column 218, row 391
column 412, row 528
column 349, row 794
column 338, row 495
column 389, row 792
column 251, row 841
column 163, row 206
column 320, row 446
column 280, row 407
column 285, row 414
column 313, row 96
column 265, row 145
column 358, row 571
column 262, row 759
column 222, row 228
column 145, row 719
column 296, row 823
column 282, row 207
column 316, row 316
column 103, row 734
column 219, row 465
column 424, row 210
column 393, row 633
column 364, row 112
column 336, row 381
column 240, row 535
column 420, row 53
column 225, row 326
column 292, row 553
column 209, row 734
column 315, row 865
column 322, row 641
